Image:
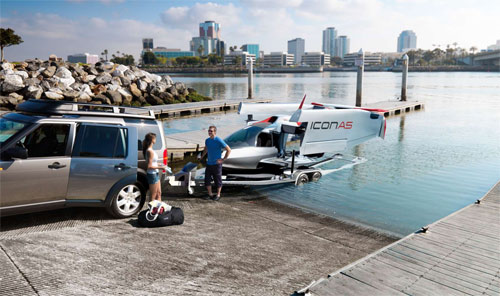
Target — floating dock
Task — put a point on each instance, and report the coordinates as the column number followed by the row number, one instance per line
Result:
column 457, row 255
column 196, row 108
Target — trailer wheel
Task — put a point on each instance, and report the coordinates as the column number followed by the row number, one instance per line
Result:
column 301, row 180
column 316, row 176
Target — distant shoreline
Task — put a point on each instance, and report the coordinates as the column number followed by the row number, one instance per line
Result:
column 209, row 70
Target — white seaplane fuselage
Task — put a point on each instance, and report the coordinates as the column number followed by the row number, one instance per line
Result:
column 313, row 131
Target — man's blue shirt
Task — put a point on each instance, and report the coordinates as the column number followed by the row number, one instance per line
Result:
column 214, row 149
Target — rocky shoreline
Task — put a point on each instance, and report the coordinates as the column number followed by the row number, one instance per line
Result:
column 102, row 83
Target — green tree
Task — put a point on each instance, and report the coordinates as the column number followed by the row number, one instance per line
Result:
column 8, row 38
column 105, row 53
column 473, row 49
column 125, row 59
column 149, row 58
column 238, row 60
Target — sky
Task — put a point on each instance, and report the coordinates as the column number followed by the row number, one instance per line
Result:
column 64, row 27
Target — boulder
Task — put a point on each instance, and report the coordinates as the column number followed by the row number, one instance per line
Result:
column 16, row 96
column 32, row 81
column 154, row 100
column 85, row 88
column 45, row 85
column 134, row 90
column 179, row 86
column 142, row 85
column 97, row 89
column 126, row 95
column 173, row 91
column 66, row 82
column 91, row 70
column 102, row 99
column 90, row 77
column 116, row 81
column 77, row 69
column 113, row 87
column 53, row 96
column 114, row 96
column 70, row 94
column 33, row 92
column 23, row 74
column 167, row 97
column 130, row 75
column 12, row 83
column 56, row 90
column 83, row 97
column 167, row 80
column 49, row 72
column 7, row 66
column 125, row 81
column 63, row 72
column 103, row 78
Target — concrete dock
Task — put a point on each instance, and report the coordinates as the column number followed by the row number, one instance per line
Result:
column 242, row 245
column 457, row 255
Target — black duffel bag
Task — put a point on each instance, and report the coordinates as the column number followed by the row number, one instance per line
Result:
column 173, row 217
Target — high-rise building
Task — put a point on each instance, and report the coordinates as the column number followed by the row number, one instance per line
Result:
column 296, row 47
column 342, row 46
column 329, row 36
column 209, row 40
column 147, row 43
column 210, row 29
column 251, row 49
column 407, row 40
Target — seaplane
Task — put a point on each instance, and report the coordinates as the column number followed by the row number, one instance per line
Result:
column 289, row 142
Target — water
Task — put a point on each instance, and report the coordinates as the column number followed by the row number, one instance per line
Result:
column 431, row 163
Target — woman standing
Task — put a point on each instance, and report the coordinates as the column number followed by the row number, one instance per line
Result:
column 153, row 173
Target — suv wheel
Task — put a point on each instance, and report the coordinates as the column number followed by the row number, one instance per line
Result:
column 128, row 200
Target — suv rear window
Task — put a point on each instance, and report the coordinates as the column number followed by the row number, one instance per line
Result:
column 101, row 141
column 144, row 127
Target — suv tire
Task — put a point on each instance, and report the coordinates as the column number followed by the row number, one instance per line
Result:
column 127, row 201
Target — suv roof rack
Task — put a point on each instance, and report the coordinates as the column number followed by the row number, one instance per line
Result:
column 50, row 107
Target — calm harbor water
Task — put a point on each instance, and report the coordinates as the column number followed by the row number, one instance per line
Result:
column 431, row 163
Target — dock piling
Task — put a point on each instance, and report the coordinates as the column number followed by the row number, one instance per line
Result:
column 359, row 62
column 250, row 78
column 405, row 75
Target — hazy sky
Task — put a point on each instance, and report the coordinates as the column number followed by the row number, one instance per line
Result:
column 74, row 26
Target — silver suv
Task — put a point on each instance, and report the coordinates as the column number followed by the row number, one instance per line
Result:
column 58, row 154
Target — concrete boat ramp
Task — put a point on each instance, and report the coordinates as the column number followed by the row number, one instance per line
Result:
column 457, row 255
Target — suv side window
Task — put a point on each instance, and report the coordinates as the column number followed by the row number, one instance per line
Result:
column 47, row 140
column 101, row 141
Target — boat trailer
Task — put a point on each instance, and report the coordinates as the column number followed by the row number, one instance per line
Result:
column 190, row 177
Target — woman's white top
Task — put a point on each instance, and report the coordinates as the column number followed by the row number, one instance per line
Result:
column 154, row 162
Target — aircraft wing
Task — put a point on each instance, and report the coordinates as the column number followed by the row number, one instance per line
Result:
column 259, row 111
column 334, row 130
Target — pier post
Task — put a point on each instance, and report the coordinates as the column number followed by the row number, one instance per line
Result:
column 359, row 62
column 250, row 77
column 405, row 75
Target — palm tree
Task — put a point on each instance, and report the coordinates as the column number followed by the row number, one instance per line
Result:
column 473, row 49
column 105, row 53
column 200, row 49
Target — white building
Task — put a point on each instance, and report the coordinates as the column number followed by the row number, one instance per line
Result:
column 316, row 58
column 279, row 58
column 297, row 48
column 370, row 59
column 85, row 58
column 230, row 59
column 494, row 46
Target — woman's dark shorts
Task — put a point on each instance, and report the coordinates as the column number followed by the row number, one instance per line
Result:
column 213, row 172
column 153, row 178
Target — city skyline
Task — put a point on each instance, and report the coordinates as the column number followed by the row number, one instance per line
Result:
column 77, row 26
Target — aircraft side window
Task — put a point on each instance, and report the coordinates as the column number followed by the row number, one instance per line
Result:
column 264, row 140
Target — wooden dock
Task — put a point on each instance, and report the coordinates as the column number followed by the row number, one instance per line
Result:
column 396, row 107
column 196, row 108
column 457, row 255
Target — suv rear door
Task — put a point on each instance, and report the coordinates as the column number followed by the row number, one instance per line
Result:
column 102, row 156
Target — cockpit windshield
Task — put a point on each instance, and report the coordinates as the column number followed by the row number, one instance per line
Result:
column 244, row 138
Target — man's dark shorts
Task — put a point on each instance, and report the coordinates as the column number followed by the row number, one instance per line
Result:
column 215, row 172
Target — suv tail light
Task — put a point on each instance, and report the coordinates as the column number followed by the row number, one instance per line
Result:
column 165, row 157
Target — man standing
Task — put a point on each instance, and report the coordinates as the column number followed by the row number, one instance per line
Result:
column 213, row 147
